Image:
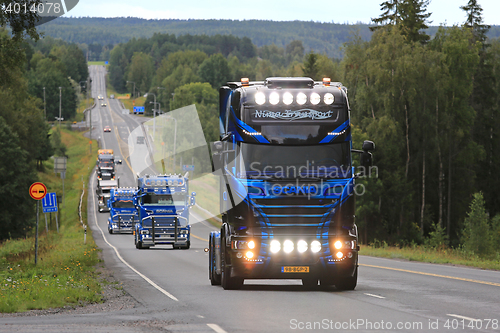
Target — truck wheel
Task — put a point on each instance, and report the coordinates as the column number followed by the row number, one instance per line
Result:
column 110, row 230
column 228, row 282
column 213, row 276
column 310, row 282
column 138, row 243
column 347, row 283
column 187, row 246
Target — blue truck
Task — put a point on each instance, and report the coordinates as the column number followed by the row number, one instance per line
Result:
column 163, row 203
column 287, row 184
column 122, row 210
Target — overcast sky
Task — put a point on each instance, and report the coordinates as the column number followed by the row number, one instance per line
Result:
column 446, row 12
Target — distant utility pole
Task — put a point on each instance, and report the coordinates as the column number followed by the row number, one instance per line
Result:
column 60, row 98
column 44, row 105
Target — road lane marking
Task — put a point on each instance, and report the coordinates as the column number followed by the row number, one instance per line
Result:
column 216, row 328
column 377, row 296
column 203, row 239
column 148, row 280
column 121, row 152
column 462, row 317
column 435, row 275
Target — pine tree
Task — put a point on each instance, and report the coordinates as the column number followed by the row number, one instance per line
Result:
column 475, row 21
column 410, row 15
column 389, row 16
column 413, row 19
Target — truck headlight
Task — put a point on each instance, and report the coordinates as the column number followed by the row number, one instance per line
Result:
column 302, row 246
column 288, row 246
column 337, row 245
column 275, row 246
column 144, row 232
column 315, row 246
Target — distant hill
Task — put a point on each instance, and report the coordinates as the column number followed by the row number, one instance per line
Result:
column 325, row 38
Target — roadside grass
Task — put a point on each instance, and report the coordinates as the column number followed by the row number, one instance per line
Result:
column 65, row 273
column 97, row 63
column 422, row 253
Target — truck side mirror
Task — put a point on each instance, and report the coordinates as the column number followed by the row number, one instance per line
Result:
column 368, row 146
column 216, row 155
column 366, row 159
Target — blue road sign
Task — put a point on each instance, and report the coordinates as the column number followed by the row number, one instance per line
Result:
column 187, row 167
column 106, row 63
column 49, row 203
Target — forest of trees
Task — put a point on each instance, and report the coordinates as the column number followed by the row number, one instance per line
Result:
column 27, row 66
column 429, row 103
column 99, row 35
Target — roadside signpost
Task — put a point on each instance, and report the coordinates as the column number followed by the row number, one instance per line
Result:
column 60, row 166
column 37, row 191
column 49, row 205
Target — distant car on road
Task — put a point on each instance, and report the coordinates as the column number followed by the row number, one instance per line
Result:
column 140, row 140
column 107, row 129
column 103, row 104
column 100, row 97
column 112, row 96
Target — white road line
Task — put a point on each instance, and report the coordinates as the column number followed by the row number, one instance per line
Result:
column 216, row 328
column 462, row 317
column 376, row 296
column 163, row 291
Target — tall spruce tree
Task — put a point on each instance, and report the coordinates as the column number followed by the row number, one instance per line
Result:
column 389, row 16
column 475, row 20
column 484, row 100
column 410, row 15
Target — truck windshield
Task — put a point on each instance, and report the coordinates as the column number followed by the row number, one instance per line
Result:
column 291, row 162
column 154, row 199
column 123, row 204
column 106, row 164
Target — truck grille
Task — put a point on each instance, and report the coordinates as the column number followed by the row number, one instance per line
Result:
column 295, row 211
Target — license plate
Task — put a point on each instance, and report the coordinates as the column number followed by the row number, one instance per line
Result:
column 294, row 269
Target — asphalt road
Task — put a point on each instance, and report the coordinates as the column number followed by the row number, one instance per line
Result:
column 173, row 292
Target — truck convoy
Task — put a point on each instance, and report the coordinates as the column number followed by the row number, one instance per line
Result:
column 122, row 209
column 163, row 206
column 287, row 184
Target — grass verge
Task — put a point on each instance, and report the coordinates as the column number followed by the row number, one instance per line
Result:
column 65, row 273
column 432, row 255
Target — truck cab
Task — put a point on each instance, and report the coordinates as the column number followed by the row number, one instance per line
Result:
column 103, row 192
column 287, row 184
column 163, row 203
column 105, row 167
column 122, row 209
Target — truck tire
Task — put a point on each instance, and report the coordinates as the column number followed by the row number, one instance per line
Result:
column 110, row 230
column 138, row 243
column 347, row 283
column 212, row 274
column 228, row 282
column 186, row 247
